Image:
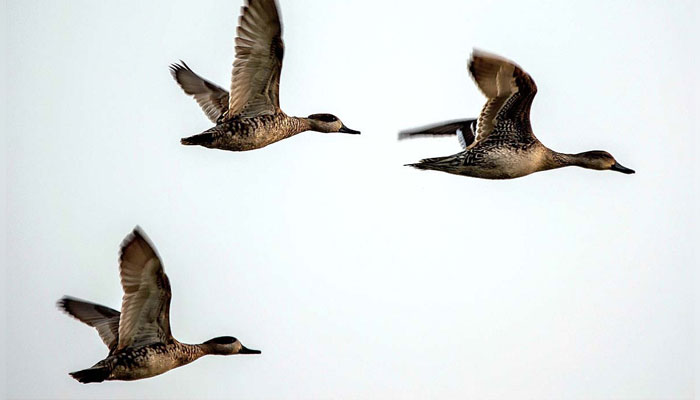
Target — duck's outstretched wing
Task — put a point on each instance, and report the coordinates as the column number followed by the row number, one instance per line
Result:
column 509, row 90
column 104, row 319
column 145, row 316
column 212, row 98
column 259, row 52
column 464, row 129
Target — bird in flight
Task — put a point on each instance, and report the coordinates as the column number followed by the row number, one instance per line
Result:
column 139, row 339
column 500, row 144
column 250, row 117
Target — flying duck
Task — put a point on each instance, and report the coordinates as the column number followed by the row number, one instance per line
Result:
column 139, row 339
column 250, row 116
column 500, row 144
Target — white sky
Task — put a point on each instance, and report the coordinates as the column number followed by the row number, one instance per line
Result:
column 357, row 277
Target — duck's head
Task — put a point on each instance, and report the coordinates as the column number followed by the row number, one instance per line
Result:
column 601, row 160
column 327, row 123
column 227, row 345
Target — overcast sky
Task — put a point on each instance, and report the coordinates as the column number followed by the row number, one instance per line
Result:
column 358, row 277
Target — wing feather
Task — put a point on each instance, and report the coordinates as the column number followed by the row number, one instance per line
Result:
column 509, row 91
column 213, row 99
column 462, row 128
column 104, row 319
column 258, row 64
column 145, row 314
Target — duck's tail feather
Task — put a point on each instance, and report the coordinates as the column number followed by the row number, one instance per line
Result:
column 447, row 163
column 417, row 165
column 91, row 375
column 201, row 139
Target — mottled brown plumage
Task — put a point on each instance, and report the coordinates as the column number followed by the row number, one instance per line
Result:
column 139, row 339
column 502, row 144
column 250, row 117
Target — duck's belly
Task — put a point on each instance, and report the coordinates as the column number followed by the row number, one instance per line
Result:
column 140, row 365
column 504, row 165
column 250, row 133
column 243, row 141
column 145, row 370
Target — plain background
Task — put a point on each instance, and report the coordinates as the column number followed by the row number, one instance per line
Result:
column 358, row 277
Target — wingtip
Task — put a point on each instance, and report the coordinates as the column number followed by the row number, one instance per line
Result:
column 138, row 231
column 178, row 66
column 64, row 306
column 477, row 52
column 415, row 134
column 61, row 303
column 65, row 299
column 136, row 234
column 412, row 133
column 174, row 69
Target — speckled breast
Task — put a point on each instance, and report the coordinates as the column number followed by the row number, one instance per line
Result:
column 253, row 133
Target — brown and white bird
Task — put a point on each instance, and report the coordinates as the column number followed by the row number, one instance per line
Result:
column 500, row 144
column 139, row 339
column 250, row 116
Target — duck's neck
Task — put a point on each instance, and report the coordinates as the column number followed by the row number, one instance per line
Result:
column 558, row 160
column 190, row 352
column 296, row 125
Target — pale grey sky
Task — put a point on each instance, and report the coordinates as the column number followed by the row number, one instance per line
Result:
column 358, row 277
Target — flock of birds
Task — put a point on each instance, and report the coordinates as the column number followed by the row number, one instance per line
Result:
column 499, row 144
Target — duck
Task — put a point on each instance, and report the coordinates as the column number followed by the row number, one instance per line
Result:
column 500, row 143
column 139, row 339
column 250, row 117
